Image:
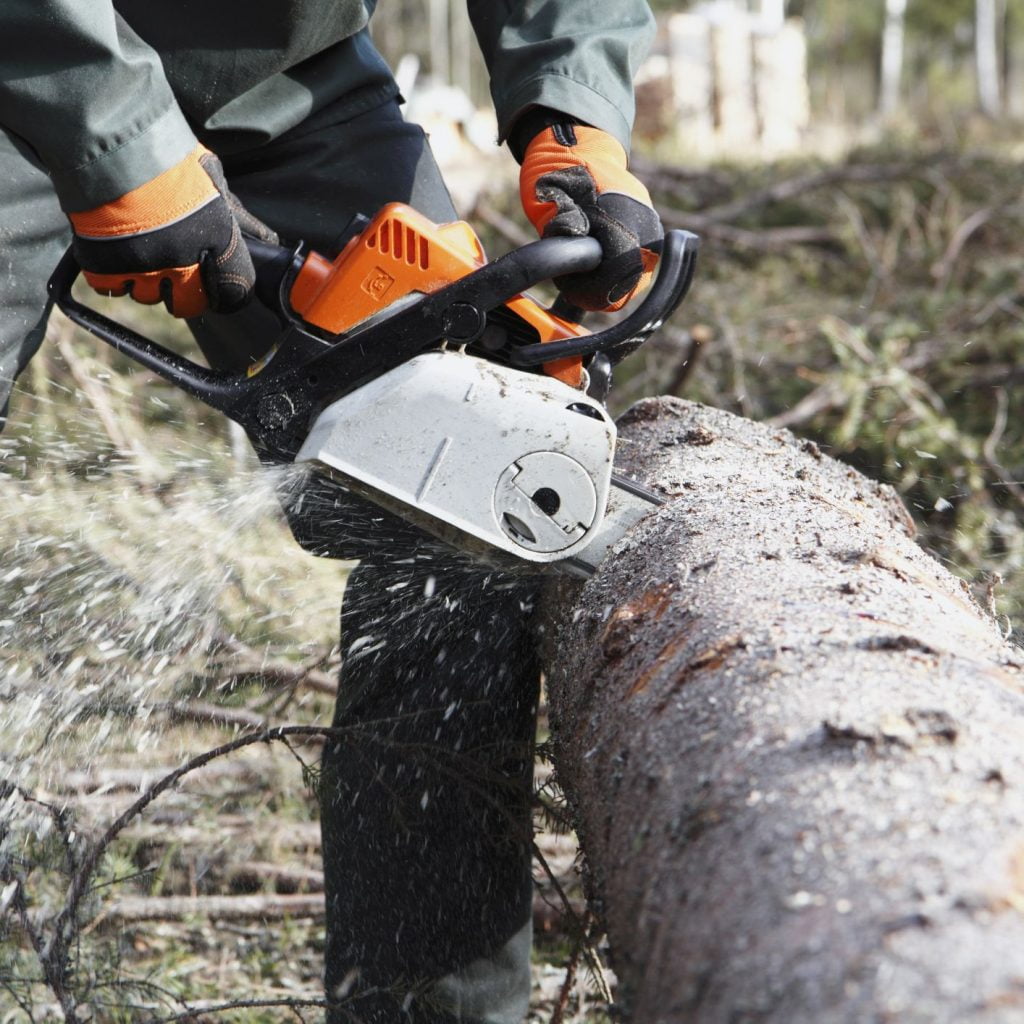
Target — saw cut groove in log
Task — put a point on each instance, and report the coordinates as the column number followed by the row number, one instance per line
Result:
column 793, row 744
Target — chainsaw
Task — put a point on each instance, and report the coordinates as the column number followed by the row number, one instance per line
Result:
column 426, row 378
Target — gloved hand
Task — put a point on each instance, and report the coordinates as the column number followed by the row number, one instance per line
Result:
column 574, row 181
column 177, row 238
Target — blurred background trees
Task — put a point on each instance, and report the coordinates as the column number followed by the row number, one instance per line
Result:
column 935, row 60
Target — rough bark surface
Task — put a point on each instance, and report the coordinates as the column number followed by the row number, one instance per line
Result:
column 793, row 744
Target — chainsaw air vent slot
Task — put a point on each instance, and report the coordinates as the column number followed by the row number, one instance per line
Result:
column 402, row 243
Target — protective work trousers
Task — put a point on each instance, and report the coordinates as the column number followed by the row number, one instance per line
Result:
column 426, row 786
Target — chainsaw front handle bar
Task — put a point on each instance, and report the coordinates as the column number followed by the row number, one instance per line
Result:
column 675, row 274
column 491, row 286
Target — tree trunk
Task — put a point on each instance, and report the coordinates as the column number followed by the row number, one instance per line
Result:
column 793, row 745
column 440, row 50
column 986, row 57
column 772, row 15
column 892, row 56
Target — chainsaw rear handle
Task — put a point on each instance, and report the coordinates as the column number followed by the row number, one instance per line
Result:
column 491, row 286
column 675, row 274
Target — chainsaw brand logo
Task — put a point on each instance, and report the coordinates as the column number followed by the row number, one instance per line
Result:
column 378, row 283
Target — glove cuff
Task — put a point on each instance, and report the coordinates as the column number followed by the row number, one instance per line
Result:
column 176, row 193
column 529, row 125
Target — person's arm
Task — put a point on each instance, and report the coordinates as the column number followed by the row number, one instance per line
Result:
column 149, row 207
column 562, row 83
column 90, row 97
column 574, row 56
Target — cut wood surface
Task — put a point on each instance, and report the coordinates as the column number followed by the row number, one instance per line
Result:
column 793, row 744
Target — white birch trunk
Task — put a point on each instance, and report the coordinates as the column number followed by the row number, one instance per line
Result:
column 440, row 55
column 461, row 49
column 772, row 16
column 892, row 56
column 986, row 57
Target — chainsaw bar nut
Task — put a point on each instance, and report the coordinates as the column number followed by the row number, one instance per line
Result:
column 275, row 411
column 463, row 323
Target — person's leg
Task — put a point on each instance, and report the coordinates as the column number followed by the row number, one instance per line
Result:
column 33, row 234
column 426, row 792
column 426, row 796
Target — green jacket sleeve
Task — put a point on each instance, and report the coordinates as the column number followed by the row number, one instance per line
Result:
column 576, row 56
column 90, row 98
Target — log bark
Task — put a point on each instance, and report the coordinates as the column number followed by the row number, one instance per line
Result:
column 793, row 744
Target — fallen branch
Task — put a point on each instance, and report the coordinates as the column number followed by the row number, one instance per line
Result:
column 201, row 713
column 263, row 907
column 774, row 239
column 298, row 835
column 286, row 878
column 803, row 184
column 250, row 664
column 673, row 181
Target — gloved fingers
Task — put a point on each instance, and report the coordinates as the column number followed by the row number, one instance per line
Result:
column 176, row 238
column 630, row 234
column 248, row 222
column 574, row 181
column 228, row 277
column 569, row 218
column 179, row 288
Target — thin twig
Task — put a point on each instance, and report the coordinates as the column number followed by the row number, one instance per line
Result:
column 81, row 881
column 54, row 968
column 98, row 399
column 692, row 342
column 580, row 926
column 823, row 398
column 558, row 1013
column 942, row 271
column 989, row 449
column 60, row 816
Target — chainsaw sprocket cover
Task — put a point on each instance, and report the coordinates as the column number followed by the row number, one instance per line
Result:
column 516, row 459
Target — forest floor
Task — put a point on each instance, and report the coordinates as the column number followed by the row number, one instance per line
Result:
column 153, row 605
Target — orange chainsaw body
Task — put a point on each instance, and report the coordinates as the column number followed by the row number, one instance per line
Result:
column 401, row 252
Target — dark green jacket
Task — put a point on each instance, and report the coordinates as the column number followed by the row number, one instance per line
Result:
column 109, row 93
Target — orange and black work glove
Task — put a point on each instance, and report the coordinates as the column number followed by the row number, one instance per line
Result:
column 574, row 181
column 177, row 238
